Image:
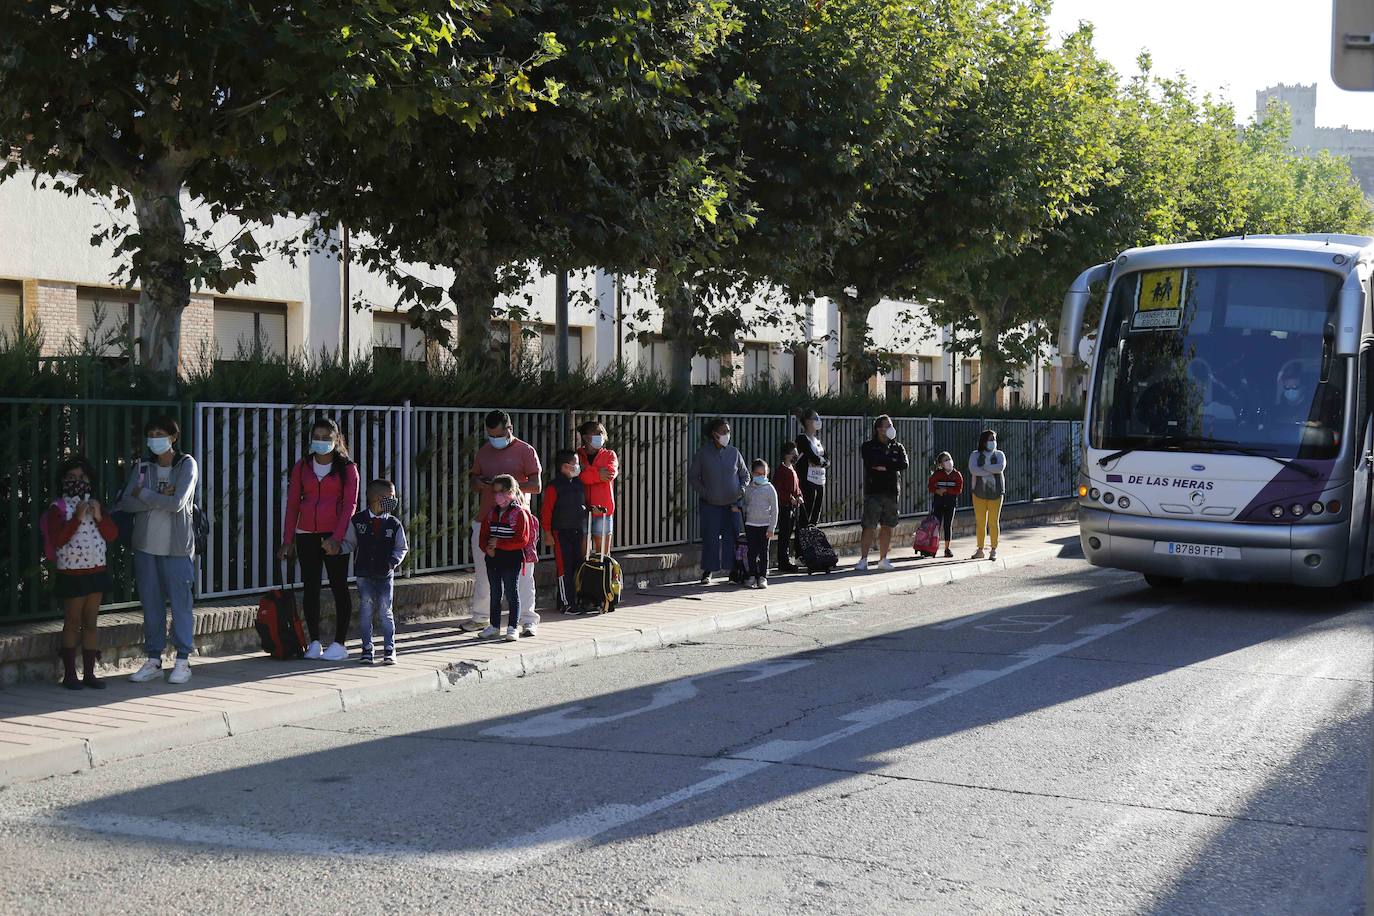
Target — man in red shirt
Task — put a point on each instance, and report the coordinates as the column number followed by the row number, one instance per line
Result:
column 502, row 453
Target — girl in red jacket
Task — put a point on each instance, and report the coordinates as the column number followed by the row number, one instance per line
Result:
column 76, row 529
column 600, row 467
column 945, row 485
column 320, row 500
column 504, row 537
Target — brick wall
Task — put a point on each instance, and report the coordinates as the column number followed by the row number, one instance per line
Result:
column 197, row 331
column 52, row 306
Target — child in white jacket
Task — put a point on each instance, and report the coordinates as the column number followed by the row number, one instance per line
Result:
column 760, row 522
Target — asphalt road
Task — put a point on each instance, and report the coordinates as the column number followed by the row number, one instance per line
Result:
column 1050, row 739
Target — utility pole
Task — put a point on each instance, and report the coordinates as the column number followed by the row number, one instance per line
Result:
column 560, row 330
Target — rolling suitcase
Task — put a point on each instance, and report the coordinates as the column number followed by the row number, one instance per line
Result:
column 279, row 625
column 814, row 550
column 927, row 540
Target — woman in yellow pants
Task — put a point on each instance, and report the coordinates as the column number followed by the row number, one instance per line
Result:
column 988, row 468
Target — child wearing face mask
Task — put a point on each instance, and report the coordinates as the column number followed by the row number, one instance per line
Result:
column 989, row 469
column 600, row 467
column 377, row 540
column 760, row 522
column 564, row 517
column 75, row 531
column 945, row 486
column 505, row 536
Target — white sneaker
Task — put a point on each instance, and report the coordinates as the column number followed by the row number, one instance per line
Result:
column 863, row 565
column 751, row 582
column 763, row 582
column 335, row 653
column 181, row 672
column 886, row 564
column 512, row 634
column 529, row 629
column 313, row 651
column 992, row 554
column 488, row 633
column 151, row 671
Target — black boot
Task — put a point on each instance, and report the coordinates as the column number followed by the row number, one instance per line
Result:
column 69, row 678
column 88, row 658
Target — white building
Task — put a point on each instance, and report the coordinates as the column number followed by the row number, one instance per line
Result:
column 50, row 276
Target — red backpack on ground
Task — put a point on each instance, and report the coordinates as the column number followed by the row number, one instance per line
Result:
column 927, row 540
column 279, row 625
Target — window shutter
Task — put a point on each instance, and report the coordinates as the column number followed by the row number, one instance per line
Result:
column 9, row 310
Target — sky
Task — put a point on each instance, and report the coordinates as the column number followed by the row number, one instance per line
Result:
column 1229, row 47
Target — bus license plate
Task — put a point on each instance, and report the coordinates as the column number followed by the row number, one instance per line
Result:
column 1197, row 551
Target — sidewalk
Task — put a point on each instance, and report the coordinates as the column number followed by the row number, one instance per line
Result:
column 46, row 730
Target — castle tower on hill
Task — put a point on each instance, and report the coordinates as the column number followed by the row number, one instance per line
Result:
column 1356, row 145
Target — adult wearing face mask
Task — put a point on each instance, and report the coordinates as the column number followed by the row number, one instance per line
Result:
column 945, row 486
column 502, row 453
column 599, row 468
column 320, row 500
column 884, row 460
column 717, row 475
column 1294, row 403
column 811, row 468
column 988, row 467
column 160, row 495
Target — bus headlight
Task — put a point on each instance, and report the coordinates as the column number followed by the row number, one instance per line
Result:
column 1297, row 510
column 1276, row 511
column 1123, row 503
column 1094, row 493
column 1316, row 508
column 1108, row 498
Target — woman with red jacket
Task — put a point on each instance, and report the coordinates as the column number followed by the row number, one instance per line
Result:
column 945, row 485
column 600, row 468
column 76, row 530
column 320, row 500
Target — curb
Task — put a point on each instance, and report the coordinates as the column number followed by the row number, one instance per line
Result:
column 78, row 755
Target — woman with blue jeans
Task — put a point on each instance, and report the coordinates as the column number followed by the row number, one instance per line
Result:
column 160, row 495
column 718, row 475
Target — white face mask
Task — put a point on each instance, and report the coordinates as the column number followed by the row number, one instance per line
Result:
column 1291, row 395
column 818, row 426
column 159, row 445
column 991, row 446
column 947, row 466
column 723, row 440
column 598, row 441
column 890, row 433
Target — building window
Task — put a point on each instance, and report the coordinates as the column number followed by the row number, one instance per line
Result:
column 244, row 329
column 393, row 339
column 548, row 349
column 11, row 309
column 655, row 358
column 106, row 322
column 757, row 364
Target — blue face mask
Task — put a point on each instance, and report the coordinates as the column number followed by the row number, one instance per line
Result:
column 321, row 448
column 760, row 479
column 499, row 441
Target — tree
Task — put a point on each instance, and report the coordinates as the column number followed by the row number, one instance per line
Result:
column 150, row 101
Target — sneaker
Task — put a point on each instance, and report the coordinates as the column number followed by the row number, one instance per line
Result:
column 389, row 658
column 763, row 581
column 335, row 653
column 789, row 568
column 886, row 565
column 365, row 658
column 978, row 554
column 151, row 671
column 314, row 651
column 862, row 565
column 529, row 629
column 488, row 633
column 181, row 672
column 750, row 582
column 705, row 579
column 949, row 554
column 512, row 634
column 992, row 554
column 470, row 626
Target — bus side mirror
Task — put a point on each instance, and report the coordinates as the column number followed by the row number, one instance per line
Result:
column 1075, row 307
column 1350, row 313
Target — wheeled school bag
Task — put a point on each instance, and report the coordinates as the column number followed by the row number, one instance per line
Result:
column 279, row 625
column 814, row 550
column 598, row 584
column 927, row 540
column 739, row 570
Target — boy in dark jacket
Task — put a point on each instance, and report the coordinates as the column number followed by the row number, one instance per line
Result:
column 564, row 517
column 377, row 541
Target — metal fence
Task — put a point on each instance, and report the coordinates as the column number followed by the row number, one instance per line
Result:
column 246, row 452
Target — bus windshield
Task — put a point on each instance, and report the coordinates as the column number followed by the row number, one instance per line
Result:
column 1234, row 356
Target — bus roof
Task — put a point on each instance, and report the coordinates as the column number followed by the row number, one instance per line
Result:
column 1310, row 250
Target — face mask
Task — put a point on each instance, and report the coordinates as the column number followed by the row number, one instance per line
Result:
column 499, row 441
column 598, row 441
column 947, row 466
column 1291, row 395
column 321, row 448
column 76, row 488
column 723, row 440
column 503, row 499
column 818, row 426
column 890, row 433
column 389, row 504
column 575, row 470
column 760, row 479
column 991, row 446
column 159, row 445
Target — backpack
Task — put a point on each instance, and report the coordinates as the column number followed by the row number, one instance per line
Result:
column 814, row 550
column 279, row 626
column 532, row 543
column 927, row 540
column 598, row 584
column 739, row 570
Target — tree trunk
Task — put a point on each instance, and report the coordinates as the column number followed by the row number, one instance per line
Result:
column 857, row 362
column 676, row 303
column 473, row 292
column 161, row 271
column 992, row 366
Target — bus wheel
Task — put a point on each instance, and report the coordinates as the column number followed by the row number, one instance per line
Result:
column 1362, row 589
column 1162, row 581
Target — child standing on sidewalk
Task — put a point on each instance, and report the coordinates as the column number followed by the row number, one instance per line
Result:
column 564, row 516
column 788, row 486
column 377, row 540
column 504, row 536
column 945, row 485
column 760, row 522
column 75, row 531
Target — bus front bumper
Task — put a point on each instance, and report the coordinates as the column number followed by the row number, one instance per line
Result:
column 1310, row 555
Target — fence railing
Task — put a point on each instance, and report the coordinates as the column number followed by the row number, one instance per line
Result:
column 245, row 452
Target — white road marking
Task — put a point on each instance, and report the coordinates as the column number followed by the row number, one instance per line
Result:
column 1024, row 623
column 528, row 848
column 549, row 724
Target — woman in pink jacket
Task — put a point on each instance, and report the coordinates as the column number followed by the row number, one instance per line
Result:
column 321, row 498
